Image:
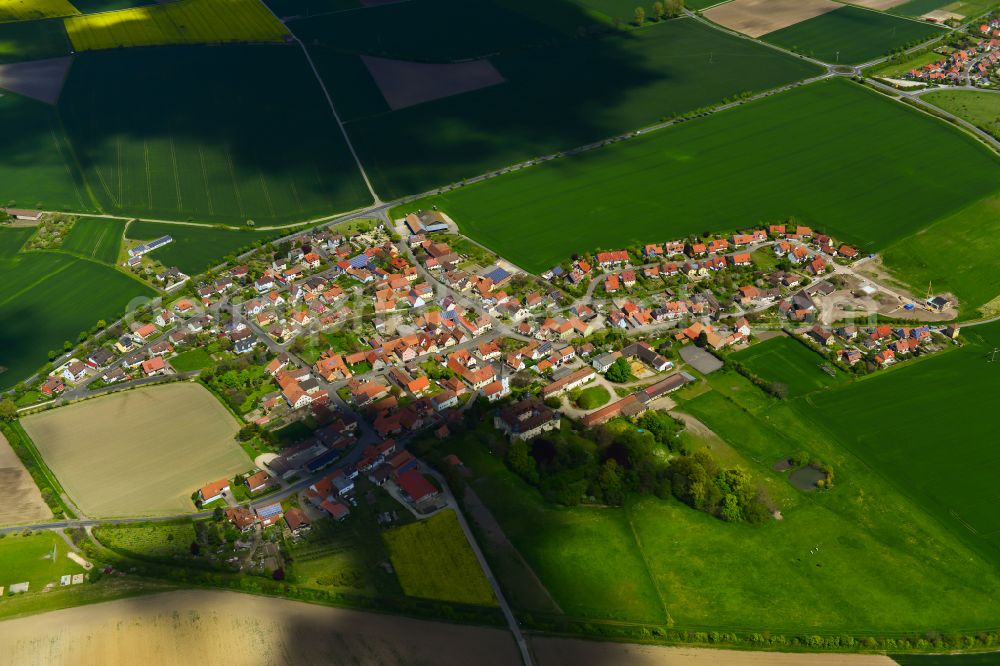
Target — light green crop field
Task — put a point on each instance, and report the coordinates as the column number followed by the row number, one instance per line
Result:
column 956, row 254
column 788, row 362
column 179, row 22
column 188, row 133
column 195, row 249
column 29, row 559
column 629, row 80
column 852, row 35
column 804, row 153
column 37, row 169
column 981, row 108
column 96, row 238
column 927, row 428
column 433, row 560
column 50, row 297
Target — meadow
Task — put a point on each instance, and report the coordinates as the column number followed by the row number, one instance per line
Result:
column 186, row 133
column 925, row 427
column 803, row 153
column 882, row 565
column 192, row 359
column 956, row 254
column 140, row 452
column 52, row 298
column 37, row 169
column 96, row 238
column 27, row 10
column 629, row 80
column 196, row 249
column 851, row 35
column 32, row 40
column 982, row 109
column 179, row 22
column 433, row 560
column 29, row 558
column 791, row 363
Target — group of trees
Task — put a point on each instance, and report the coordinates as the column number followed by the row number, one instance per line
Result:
column 661, row 10
column 606, row 464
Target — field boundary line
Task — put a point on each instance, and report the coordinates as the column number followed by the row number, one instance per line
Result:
column 645, row 565
column 10, row 297
column 177, row 175
column 204, row 179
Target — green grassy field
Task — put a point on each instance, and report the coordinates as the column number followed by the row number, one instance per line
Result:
column 851, row 35
column 628, row 80
column 32, row 40
column 29, row 558
column 882, row 566
column 196, row 249
column 50, row 298
column 187, row 133
column 893, row 69
column 801, row 153
column 957, row 254
column 789, row 362
column 37, row 168
column 592, row 397
column 926, row 428
column 96, row 238
column 982, row 109
column 433, row 560
column 193, row 359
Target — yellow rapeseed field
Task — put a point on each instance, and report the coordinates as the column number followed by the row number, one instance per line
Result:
column 29, row 10
column 181, row 22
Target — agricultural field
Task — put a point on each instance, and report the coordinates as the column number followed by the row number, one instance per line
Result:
column 95, row 238
column 32, row 40
column 296, row 8
column 140, row 452
column 851, row 35
column 197, row 248
column 957, row 254
column 631, row 80
column 20, row 500
column 790, row 363
column 759, row 17
column 235, row 155
column 202, row 626
column 980, row 108
column 50, row 298
column 897, row 421
column 179, row 22
column 31, row 136
column 27, row 10
column 914, row 8
column 882, row 562
column 433, row 560
column 685, row 179
column 95, row 6
column 30, row 558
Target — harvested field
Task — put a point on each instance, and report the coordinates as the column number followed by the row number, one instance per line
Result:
column 40, row 80
column 140, row 452
column 759, row 17
column 880, row 5
column 20, row 501
column 552, row 651
column 225, row 627
column 404, row 83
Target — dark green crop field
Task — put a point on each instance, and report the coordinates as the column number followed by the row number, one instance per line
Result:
column 95, row 238
column 851, row 35
column 791, row 363
column 33, row 40
column 37, row 169
column 209, row 134
column 195, row 249
column 918, row 7
column 289, row 8
column 927, row 427
column 607, row 85
column 50, row 297
column 806, row 153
